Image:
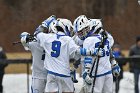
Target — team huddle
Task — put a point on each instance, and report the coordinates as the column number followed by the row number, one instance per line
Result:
column 56, row 41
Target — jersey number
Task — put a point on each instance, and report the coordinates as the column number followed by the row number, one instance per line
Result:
column 105, row 52
column 55, row 48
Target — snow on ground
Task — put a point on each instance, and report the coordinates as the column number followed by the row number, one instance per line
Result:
column 17, row 83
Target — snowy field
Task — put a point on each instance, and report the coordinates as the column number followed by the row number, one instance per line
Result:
column 17, row 83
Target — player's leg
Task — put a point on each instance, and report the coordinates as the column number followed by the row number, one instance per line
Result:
column 97, row 88
column 65, row 85
column 98, row 84
column 51, row 85
column 136, row 80
column 38, row 85
column 85, row 88
column 108, row 85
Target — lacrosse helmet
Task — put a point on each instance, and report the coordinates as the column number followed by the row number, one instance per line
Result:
column 80, row 23
column 66, row 25
column 82, row 26
column 95, row 25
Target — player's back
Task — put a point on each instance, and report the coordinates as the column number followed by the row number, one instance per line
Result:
column 93, row 42
column 38, row 56
column 58, row 48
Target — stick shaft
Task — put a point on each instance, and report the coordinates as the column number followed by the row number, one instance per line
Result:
column 17, row 42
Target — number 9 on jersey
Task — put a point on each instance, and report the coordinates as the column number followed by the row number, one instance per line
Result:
column 56, row 45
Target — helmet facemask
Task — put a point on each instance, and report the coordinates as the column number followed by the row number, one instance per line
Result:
column 69, row 31
column 82, row 34
column 59, row 28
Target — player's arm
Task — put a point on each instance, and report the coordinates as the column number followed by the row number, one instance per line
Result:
column 114, row 64
column 87, row 67
column 39, row 31
column 75, row 58
column 89, row 52
column 45, row 25
column 87, row 64
column 76, row 51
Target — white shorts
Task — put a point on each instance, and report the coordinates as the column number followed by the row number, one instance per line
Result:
column 59, row 84
column 103, row 84
column 38, row 85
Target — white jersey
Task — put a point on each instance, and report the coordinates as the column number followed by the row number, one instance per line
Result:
column 38, row 55
column 58, row 48
column 104, row 62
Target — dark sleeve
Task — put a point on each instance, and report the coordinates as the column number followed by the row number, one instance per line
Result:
column 131, row 52
column 3, row 56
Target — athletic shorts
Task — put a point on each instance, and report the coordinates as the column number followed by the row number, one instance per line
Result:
column 59, row 84
column 103, row 84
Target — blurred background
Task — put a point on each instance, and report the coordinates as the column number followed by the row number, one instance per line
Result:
column 120, row 17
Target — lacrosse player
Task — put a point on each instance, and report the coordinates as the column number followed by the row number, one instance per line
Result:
column 92, row 33
column 79, row 41
column 39, row 73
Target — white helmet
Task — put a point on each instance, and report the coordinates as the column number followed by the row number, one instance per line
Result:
column 66, row 25
column 95, row 24
column 80, row 23
column 82, row 27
